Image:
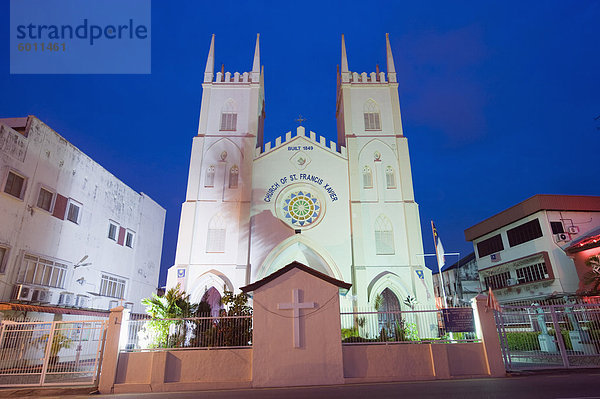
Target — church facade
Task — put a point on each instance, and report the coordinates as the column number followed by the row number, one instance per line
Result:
column 346, row 209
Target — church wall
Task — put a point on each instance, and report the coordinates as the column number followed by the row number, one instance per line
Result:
column 332, row 231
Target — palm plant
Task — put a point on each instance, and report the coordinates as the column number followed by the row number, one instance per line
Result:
column 592, row 277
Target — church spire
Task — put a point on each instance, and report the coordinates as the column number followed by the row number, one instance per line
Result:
column 256, row 62
column 391, row 69
column 210, row 61
column 345, row 72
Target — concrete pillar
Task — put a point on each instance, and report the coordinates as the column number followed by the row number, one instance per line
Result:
column 118, row 316
column 487, row 331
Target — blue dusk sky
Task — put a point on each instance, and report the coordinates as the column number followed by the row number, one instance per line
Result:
column 498, row 99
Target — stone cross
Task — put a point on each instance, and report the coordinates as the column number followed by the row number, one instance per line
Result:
column 300, row 119
column 296, row 305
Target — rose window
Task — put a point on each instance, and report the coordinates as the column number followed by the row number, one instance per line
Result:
column 301, row 208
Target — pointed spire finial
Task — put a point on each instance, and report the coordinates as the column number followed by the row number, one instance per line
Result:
column 256, row 62
column 344, row 70
column 391, row 69
column 210, row 61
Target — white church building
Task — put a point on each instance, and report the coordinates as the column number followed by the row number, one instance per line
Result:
column 346, row 209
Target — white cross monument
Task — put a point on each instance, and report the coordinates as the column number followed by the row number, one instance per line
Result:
column 296, row 305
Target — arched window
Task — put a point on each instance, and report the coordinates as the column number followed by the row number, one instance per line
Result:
column 215, row 239
column 367, row 177
column 371, row 113
column 384, row 236
column 209, row 180
column 234, row 173
column 390, row 177
column 228, row 116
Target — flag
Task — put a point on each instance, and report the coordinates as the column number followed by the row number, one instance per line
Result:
column 492, row 302
column 439, row 248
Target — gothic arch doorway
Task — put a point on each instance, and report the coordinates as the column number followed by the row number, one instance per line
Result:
column 388, row 316
column 213, row 298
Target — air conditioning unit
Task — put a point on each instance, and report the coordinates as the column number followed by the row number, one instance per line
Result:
column 65, row 299
column 573, row 229
column 22, row 292
column 511, row 281
column 44, row 296
column 561, row 237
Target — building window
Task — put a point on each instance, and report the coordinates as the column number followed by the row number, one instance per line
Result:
column 497, row 281
column 534, row 272
column 390, row 178
column 371, row 114
column 112, row 286
column 384, row 236
column 3, row 258
column 129, row 238
column 113, row 228
column 209, row 180
column 367, row 177
column 128, row 305
column 41, row 271
column 15, row 185
column 215, row 239
column 557, row 227
column 45, row 199
column 525, row 232
column 74, row 210
column 490, row 246
column 234, row 173
column 228, row 116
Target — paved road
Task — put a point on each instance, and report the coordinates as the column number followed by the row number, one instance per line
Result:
column 582, row 384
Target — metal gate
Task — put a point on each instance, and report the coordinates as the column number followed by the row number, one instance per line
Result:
column 552, row 336
column 51, row 353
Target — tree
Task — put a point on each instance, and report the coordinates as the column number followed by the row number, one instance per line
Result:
column 592, row 277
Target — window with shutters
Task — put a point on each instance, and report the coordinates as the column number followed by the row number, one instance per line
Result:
column 113, row 228
column 3, row 258
column 209, row 180
column 234, row 173
column 523, row 233
column 129, row 238
column 215, row 239
column 15, row 184
column 372, row 116
column 228, row 116
column 367, row 177
column 390, row 177
column 384, row 236
column 74, row 211
column 490, row 246
column 44, row 200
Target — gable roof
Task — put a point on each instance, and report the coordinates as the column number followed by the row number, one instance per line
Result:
column 295, row 265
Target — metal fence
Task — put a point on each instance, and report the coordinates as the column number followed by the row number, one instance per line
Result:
column 50, row 353
column 422, row 325
column 551, row 336
column 194, row 332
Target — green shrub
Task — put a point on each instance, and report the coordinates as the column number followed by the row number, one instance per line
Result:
column 523, row 340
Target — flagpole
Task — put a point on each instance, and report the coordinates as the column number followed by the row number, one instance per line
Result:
column 439, row 267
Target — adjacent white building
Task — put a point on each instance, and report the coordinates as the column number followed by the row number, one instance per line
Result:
column 461, row 282
column 344, row 208
column 71, row 233
column 521, row 252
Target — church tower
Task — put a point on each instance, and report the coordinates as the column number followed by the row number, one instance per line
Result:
column 213, row 241
column 387, row 245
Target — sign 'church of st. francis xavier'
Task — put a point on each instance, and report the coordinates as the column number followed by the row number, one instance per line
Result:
column 346, row 209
